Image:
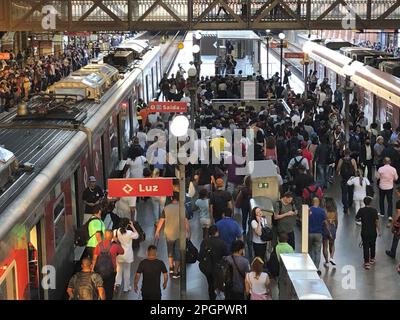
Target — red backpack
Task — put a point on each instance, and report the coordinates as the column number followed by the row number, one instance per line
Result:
column 311, row 192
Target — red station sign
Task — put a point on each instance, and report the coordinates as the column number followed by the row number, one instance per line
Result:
column 140, row 187
column 169, row 106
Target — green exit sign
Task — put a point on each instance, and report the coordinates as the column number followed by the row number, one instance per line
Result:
column 263, row 185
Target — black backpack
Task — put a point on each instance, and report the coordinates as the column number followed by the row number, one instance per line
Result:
column 295, row 167
column 104, row 265
column 224, row 276
column 206, row 261
column 82, row 235
column 273, row 265
column 142, row 235
column 347, row 169
column 192, row 254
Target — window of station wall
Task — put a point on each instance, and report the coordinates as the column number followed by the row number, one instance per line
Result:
column 59, row 220
column 8, row 283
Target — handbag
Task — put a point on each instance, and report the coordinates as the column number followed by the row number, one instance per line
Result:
column 266, row 233
column 192, row 254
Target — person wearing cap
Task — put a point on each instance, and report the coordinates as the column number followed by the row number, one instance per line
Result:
column 285, row 217
column 220, row 200
column 92, row 195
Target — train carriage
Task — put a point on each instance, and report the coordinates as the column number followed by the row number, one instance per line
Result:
column 42, row 205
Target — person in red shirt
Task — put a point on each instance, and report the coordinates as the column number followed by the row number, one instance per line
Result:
column 111, row 249
column 308, row 155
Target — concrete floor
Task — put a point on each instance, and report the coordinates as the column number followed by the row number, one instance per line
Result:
column 347, row 281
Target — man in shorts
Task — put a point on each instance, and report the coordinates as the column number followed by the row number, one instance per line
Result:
column 170, row 216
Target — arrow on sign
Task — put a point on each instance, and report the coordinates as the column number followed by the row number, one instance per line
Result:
column 215, row 44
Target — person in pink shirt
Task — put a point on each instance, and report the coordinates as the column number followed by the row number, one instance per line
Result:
column 386, row 175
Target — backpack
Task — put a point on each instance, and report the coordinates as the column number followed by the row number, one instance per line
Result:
column 104, row 265
column 311, row 192
column 295, row 167
column 85, row 288
column 142, row 235
column 206, row 263
column 224, row 276
column 82, row 235
column 192, row 254
column 273, row 265
column 347, row 169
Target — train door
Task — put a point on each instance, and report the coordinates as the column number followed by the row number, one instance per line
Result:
column 103, row 158
column 77, row 196
column 8, row 283
column 35, row 262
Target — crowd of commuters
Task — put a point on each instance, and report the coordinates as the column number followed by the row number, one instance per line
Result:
column 308, row 147
column 25, row 74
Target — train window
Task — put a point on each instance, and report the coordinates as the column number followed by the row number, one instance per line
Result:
column 59, row 220
column 8, row 288
column 114, row 147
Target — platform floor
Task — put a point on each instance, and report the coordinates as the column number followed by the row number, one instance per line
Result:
column 347, row 281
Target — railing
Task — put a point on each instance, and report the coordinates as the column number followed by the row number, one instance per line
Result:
column 191, row 13
column 257, row 104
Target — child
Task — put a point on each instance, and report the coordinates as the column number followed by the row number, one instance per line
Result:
column 203, row 203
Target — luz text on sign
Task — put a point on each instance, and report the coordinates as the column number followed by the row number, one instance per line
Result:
column 140, row 187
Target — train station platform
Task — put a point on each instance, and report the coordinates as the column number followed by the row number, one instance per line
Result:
column 348, row 280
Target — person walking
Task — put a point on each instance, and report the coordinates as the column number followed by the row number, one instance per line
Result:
column 240, row 266
column 151, row 269
column 317, row 221
column 258, row 222
column 243, row 202
column 170, row 216
column 367, row 158
column 220, row 200
column 124, row 261
column 395, row 228
column 104, row 262
column 369, row 231
column 203, row 203
column 285, row 217
column 212, row 250
column 359, row 183
column 386, row 175
column 229, row 229
column 257, row 281
column 346, row 169
column 329, row 234
column 86, row 285
column 96, row 231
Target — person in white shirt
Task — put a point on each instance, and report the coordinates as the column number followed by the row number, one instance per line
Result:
column 360, row 184
column 136, row 166
column 125, row 207
column 321, row 97
column 257, row 224
column 257, row 281
column 124, row 261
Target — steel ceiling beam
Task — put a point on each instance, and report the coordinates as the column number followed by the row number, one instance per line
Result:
column 198, row 14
